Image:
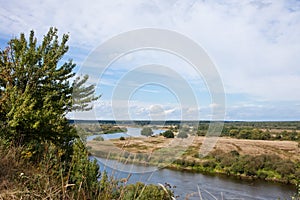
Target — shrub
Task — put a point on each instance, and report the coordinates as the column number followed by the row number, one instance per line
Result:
column 234, row 153
column 285, row 168
column 209, row 164
column 122, row 138
column 99, row 138
column 182, row 135
column 227, row 161
column 146, row 131
column 168, row 134
column 262, row 174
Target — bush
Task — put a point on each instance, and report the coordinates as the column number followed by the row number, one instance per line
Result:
column 262, row 174
column 237, row 167
column 228, row 161
column 285, row 168
column 146, row 131
column 99, row 138
column 168, row 134
column 182, row 135
column 235, row 153
column 122, row 138
column 209, row 164
column 201, row 133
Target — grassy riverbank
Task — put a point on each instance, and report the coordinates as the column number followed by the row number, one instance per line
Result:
column 277, row 161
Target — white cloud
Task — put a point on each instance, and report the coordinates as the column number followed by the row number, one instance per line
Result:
column 255, row 44
column 136, row 110
column 213, row 105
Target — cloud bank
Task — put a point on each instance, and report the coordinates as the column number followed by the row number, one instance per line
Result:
column 254, row 44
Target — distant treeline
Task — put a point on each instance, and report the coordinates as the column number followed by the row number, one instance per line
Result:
column 139, row 122
column 290, row 125
column 268, row 130
column 257, row 130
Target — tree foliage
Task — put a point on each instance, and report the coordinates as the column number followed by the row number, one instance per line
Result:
column 36, row 92
column 146, row 131
column 83, row 95
column 168, row 134
column 182, row 134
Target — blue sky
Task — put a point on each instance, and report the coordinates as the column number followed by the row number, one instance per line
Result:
column 254, row 45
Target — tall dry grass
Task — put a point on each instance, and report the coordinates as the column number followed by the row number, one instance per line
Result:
column 21, row 179
column 52, row 178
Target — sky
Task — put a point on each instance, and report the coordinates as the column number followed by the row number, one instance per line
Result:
column 254, row 46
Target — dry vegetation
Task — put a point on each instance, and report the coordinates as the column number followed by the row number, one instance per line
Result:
column 284, row 149
column 154, row 150
column 269, row 160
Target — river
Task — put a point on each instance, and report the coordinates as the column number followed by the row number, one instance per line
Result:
column 197, row 186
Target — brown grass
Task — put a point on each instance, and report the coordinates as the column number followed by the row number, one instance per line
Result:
column 284, row 149
column 19, row 179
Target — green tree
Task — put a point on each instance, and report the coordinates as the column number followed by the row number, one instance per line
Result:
column 146, row 131
column 83, row 95
column 168, row 134
column 35, row 90
column 122, row 138
column 99, row 138
column 182, row 134
column 245, row 134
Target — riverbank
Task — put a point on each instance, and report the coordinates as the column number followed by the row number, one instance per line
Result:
column 186, row 184
column 276, row 161
column 209, row 171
